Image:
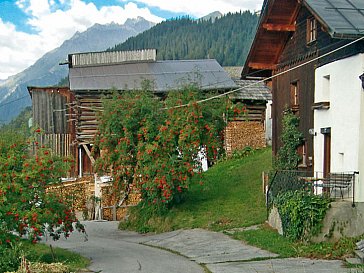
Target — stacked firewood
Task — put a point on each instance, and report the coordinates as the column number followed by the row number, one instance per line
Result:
column 110, row 198
column 241, row 134
column 79, row 191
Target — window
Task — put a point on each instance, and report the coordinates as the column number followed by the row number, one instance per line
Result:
column 302, row 152
column 326, row 88
column 311, row 30
column 295, row 96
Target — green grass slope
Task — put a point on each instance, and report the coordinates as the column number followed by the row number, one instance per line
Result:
column 231, row 196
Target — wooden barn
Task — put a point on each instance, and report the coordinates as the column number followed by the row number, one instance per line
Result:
column 293, row 39
column 52, row 113
column 92, row 76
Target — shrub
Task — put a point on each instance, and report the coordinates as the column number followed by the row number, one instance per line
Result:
column 26, row 209
column 301, row 213
column 9, row 257
column 154, row 145
column 287, row 156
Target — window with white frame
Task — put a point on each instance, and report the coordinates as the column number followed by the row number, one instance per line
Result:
column 311, row 30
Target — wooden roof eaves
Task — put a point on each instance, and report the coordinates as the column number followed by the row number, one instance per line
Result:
column 261, row 21
column 264, row 17
column 47, row 89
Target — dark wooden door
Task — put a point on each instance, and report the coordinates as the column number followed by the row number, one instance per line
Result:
column 327, row 154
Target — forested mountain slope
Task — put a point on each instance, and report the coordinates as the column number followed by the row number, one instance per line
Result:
column 226, row 39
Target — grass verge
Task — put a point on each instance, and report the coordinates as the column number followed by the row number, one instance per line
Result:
column 268, row 239
column 231, row 196
column 43, row 253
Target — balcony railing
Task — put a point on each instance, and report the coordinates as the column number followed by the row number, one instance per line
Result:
column 335, row 185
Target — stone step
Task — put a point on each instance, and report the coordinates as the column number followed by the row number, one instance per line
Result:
column 353, row 261
column 360, row 245
column 359, row 254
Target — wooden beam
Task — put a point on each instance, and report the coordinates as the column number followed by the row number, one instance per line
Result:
column 89, row 153
column 297, row 9
column 279, row 27
column 261, row 66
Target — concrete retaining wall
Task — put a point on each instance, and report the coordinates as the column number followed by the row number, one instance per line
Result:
column 341, row 220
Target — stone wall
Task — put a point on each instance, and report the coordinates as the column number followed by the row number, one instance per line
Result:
column 240, row 134
column 275, row 221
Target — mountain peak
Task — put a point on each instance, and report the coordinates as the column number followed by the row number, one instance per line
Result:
column 133, row 21
column 47, row 71
column 213, row 16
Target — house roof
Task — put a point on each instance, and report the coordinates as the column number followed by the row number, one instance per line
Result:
column 342, row 18
column 163, row 76
column 251, row 90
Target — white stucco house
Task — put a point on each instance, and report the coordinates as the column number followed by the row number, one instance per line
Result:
column 339, row 119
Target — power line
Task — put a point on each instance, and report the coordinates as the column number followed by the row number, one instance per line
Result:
column 240, row 88
column 9, row 102
column 268, row 78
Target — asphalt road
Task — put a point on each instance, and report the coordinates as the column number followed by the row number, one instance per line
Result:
column 114, row 251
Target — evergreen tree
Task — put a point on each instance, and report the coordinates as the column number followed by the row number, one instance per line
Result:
column 227, row 39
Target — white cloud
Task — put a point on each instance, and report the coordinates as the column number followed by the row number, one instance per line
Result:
column 52, row 26
column 203, row 7
column 19, row 49
column 15, row 52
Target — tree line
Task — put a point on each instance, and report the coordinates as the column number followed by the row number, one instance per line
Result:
column 226, row 39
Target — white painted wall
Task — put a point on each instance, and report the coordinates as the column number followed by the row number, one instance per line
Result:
column 345, row 117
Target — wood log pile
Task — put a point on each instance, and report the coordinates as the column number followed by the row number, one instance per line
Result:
column 111, row 198
column 79, row 191
column 241, row 134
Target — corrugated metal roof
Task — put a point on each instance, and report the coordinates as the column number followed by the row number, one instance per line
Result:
column 163, row 75
column 343, row 18
column 251, row 90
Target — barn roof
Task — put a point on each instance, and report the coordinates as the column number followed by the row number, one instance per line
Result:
column 251, row 90
column 162, row 75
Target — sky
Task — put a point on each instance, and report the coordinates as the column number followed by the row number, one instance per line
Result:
column 31, row 28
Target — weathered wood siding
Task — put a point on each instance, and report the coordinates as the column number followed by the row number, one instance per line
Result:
column 296, row 52
column 53, row 113
column 49, row 111
column 305, row 77
column 88, row 106
column 61, row 144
